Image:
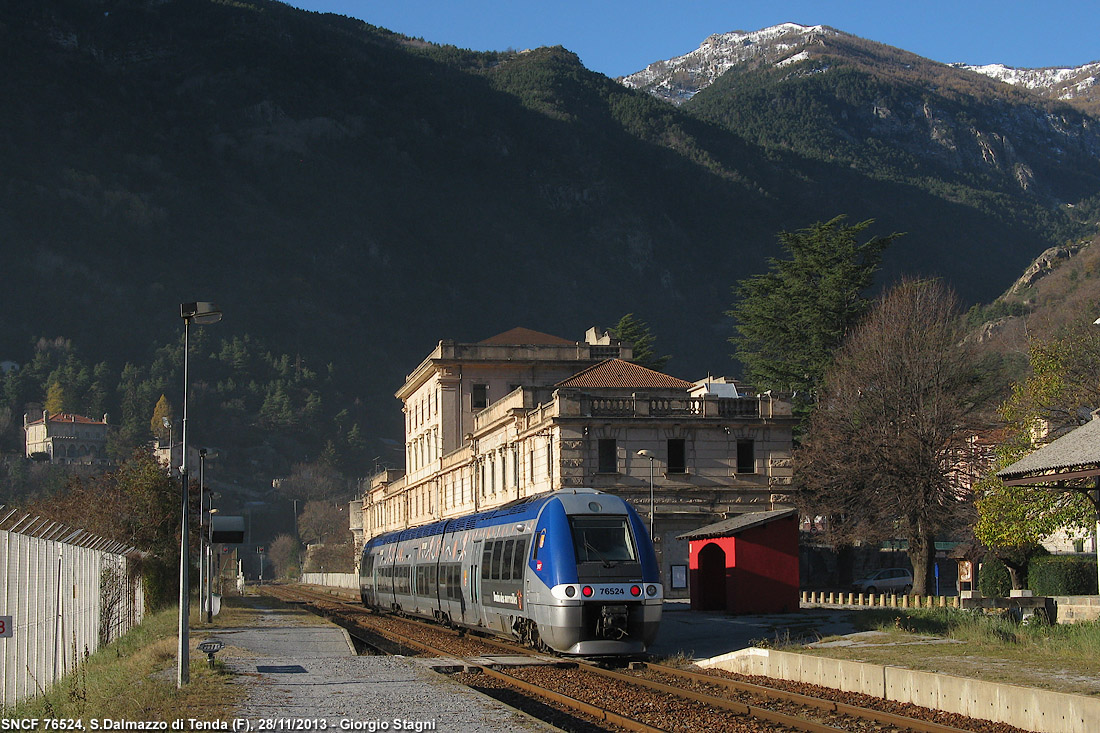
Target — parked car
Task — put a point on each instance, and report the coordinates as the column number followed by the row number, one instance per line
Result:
column 887, row 580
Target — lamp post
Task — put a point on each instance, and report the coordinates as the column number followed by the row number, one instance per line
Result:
column 652, row 508
column 210, row 563
column 201, row 314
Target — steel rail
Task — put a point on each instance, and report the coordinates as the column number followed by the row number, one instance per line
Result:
column 739, row 708
column 602, row 714
column 840, row 708
column 900, row 721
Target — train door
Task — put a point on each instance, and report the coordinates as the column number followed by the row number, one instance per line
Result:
column 472, row 614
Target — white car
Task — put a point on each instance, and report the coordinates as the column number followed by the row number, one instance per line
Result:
column 887, row 580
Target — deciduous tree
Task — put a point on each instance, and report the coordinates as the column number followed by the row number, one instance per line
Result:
column 1057, row 396
column 887, row 437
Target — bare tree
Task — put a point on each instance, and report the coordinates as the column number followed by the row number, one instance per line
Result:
column 886, row 439
column 285, row 555
column 322, row 522
column 312, row 481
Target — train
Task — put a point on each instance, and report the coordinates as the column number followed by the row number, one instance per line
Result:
column 571, row 571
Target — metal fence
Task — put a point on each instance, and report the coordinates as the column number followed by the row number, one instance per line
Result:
column 63, row 594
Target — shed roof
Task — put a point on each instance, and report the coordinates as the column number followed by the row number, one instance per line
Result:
column 1075, row 455
column 737, row 524
column 619, row 374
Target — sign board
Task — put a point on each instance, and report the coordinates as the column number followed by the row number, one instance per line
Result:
column 227, row 530
column 5, row 627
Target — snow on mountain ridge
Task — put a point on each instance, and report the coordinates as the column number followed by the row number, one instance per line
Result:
column 678, row 79
column 1059, row 83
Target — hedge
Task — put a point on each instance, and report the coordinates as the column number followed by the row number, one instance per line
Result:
column 1062, row 575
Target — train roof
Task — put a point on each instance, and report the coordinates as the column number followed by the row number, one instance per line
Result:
column 525, row 508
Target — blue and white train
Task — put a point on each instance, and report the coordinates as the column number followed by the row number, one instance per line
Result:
column 572, row 570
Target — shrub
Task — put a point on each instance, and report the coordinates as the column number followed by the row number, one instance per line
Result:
column 993, row 579
column 1062, row 575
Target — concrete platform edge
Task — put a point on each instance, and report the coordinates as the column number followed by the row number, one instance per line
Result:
column 1029, row 708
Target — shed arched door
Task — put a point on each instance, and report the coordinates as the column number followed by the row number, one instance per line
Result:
column 712, row 578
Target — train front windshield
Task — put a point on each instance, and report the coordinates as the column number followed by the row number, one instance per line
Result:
column 602, row 539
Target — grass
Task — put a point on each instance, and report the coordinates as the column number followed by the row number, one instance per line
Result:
column 134, row 678
column 1063, row 657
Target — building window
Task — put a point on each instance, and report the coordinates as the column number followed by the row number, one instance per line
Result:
column 609, row 456
column 677, row 455
column 746, row 456
column 479, row 396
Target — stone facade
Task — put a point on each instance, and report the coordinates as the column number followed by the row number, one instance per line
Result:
column 490, row 423
column 67, row 439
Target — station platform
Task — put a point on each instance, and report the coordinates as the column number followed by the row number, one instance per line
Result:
column 300, row 672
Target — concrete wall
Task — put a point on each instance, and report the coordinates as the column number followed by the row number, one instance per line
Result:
column 334, row 580
column 1028, row 708
column 1071, row 609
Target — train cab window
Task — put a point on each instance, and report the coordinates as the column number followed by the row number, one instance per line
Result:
column 498, row 550
column 506, row 560
column 602, row 539
column 518, row 559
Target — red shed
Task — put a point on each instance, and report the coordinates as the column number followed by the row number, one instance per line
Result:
column 746, row 564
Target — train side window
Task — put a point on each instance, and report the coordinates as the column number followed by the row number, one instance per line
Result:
column 506, row 560
column 498, row 550
column 538, row 545
column 518, row 559
column 486, row 560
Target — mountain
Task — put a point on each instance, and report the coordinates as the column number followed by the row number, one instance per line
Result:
column 891, row 114
column 1077, row 85
column 679, row 79
column 350, row 196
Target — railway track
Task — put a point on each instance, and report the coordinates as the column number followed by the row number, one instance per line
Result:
column 645, row 696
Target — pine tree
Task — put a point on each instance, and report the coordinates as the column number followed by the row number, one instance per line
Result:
column 791, row 319
column 630, row 330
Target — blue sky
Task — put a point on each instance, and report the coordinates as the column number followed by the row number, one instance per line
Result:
column 617, row 37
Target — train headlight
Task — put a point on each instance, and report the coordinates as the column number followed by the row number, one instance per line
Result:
column 586, row 591
column 635, row 591
column 651, row 590
column 570, row 591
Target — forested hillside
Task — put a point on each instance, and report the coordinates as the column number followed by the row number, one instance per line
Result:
column 349, row 197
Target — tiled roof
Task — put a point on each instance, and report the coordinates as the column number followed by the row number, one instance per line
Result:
column 70, row 418
column 1079, row 448
column 525, row 336
column 619, row 374
column 740, row 523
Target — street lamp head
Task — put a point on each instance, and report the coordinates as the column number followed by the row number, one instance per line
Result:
column 166, row 422
column 202, row 313
column 646, row 454
column 202, row 452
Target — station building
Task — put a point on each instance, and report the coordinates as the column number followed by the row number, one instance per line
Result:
column 523, row 413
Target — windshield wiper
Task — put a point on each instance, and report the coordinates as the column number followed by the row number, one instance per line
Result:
column 588, row 546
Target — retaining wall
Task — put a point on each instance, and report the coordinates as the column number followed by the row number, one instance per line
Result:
column 1029, row 708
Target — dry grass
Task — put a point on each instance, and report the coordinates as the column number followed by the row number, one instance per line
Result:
column 134, row 678
column 1062, row 657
